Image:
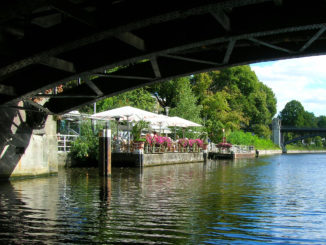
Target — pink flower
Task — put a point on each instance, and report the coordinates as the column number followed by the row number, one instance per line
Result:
column 183, row 142
column 149, row 139
column 199, row 142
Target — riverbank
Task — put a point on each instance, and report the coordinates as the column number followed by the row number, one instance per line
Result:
column 274, row 152
column 305, row 151
column 269, row 152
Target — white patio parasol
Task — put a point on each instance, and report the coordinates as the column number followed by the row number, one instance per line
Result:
column 125, row 113
column 180, row 122
column 183, row 123
column 165, row 121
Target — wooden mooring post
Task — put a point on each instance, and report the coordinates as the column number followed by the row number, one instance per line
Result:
column 104, row 161
column 205, row 155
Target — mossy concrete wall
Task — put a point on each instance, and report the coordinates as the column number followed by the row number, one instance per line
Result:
column 171, row 158
column 64, row 159
column 269, row 152
column 25, row 151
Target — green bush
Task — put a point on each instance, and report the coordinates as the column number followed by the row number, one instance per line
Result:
column 300, row 146
column 242, row 138
column 85, row 148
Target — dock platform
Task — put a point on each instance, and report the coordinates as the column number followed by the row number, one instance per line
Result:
column 230, row 155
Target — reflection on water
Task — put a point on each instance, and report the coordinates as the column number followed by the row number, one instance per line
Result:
column 280, row 199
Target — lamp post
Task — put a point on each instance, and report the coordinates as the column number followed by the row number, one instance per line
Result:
column 166, row 110
column 128, row 123
column 160, row 123
column 117, row 118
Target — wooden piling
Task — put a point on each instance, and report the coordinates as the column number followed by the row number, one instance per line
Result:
column 105, row 153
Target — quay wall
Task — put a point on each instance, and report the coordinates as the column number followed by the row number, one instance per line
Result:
column 269, row 152
column 305, row 151
column 24, row 150
column 272, row 152
column 64, row 159
column 172, row 158
column 146, row 160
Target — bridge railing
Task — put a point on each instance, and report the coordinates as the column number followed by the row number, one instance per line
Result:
column 241, row 149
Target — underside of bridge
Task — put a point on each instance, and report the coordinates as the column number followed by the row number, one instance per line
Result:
column 47, row 43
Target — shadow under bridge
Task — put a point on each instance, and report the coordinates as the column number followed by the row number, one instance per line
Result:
column 45, row 44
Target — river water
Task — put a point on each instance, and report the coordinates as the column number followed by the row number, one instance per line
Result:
column 279, row 200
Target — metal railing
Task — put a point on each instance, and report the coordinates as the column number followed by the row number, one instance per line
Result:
column 234, row 149
column 64, row 142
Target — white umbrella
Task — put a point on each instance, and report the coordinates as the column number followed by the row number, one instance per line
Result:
column 125, row 113
column 172, row 122
column 161, row 121
column 180, row 122
column 165, row 121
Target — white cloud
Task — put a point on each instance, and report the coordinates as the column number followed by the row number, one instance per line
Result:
column 301, row 79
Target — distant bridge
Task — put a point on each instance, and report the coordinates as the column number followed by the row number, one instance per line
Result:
column 279, row 130
column 308, row 133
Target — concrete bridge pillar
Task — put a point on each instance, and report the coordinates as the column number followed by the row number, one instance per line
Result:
column 24, row 149
column 276, row 131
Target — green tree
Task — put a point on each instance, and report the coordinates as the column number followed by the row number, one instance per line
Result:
column 236, row 98
column 201, row 85
column 321, row 121
column 165, row 92
column 262, row 130
column 309, row 120
column 185, row 101
column 270, row 99
column 241, row 76
column 293, row 114
column 139, row 98
column 318, row 141
column 219, row 115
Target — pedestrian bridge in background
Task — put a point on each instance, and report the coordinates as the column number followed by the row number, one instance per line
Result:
column 45, row 44
column 303, row 133
column 279, row 130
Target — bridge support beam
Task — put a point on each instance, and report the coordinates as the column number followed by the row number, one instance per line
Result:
column 276, row 131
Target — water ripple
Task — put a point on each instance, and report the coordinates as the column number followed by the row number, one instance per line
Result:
column 221, row 202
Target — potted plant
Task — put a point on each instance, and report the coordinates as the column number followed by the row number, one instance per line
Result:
column 138, row 141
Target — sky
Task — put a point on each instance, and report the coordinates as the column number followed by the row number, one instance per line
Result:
column 301, row 79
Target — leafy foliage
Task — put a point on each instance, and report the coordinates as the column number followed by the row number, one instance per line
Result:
column 85, row 148
column 241, row 138
column 293, row 114
column 137, row 129
column 139, row 98
column 233, row 98
column 186, row 101
column 321, row 122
